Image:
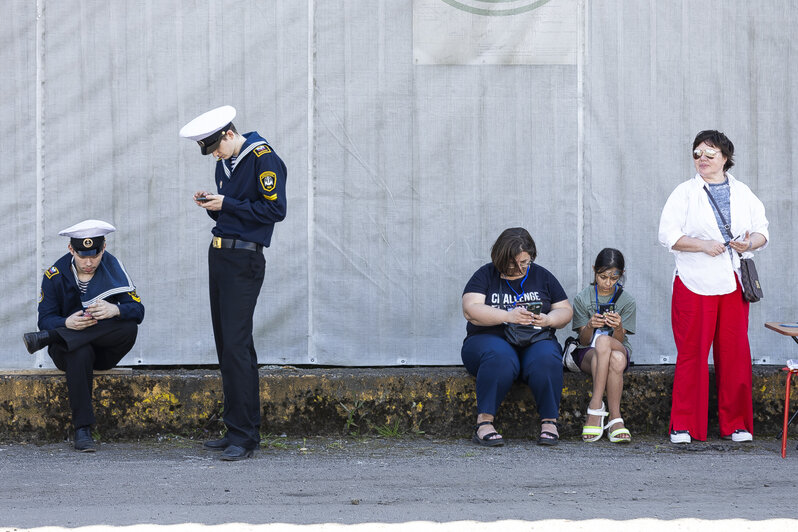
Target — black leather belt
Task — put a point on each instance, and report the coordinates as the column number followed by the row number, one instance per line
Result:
column 231, row 243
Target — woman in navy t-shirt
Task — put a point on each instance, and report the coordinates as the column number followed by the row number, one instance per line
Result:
column 512, row 289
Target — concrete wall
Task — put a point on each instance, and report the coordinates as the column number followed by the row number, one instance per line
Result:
column 318, row 401
column 400, row 175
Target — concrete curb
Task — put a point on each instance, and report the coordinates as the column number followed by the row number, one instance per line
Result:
column 439, row 401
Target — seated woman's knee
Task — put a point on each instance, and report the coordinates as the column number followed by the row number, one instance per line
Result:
column 604, row 344
column 545, row 356
column 501, row 366
column 618, row 361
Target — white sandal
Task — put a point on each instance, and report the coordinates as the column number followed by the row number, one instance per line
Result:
column 594, row 432
column 613, row 436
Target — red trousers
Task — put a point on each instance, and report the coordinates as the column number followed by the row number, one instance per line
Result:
column 698, row 323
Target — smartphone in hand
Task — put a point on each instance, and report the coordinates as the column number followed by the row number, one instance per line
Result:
column 535, row 307
column 603, row 308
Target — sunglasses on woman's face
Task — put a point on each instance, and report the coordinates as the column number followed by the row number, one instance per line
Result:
column 709, row 152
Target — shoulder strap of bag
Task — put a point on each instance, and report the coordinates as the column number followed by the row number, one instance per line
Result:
column 726, row 224
column 617, row 294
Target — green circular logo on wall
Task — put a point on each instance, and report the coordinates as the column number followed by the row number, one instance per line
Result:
column 496, row 8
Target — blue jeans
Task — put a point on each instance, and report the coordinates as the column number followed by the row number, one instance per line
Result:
column 496, row 364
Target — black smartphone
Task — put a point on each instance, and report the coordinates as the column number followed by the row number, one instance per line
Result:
column 535, row 307
column 202, row 198
column 603, row 308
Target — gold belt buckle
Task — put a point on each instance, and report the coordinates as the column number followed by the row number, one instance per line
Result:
column 217, row 242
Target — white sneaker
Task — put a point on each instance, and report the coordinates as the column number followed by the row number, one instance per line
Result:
column 741, row 435
column 680, row 436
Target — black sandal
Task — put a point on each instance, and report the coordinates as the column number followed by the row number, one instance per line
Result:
column 554, row 439
column 486, row 440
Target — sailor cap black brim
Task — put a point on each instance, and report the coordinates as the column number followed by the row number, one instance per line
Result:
column 207, row 129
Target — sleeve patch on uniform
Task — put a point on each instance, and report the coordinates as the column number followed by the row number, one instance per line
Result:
column 51, row 272
column 135, row 296
column 41, row 296
column 268, row 180
column 260, row 150
column 270, row 198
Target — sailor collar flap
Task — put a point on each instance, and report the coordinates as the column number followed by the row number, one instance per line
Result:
column 241, row 155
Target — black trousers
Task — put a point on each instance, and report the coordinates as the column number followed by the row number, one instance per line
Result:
column 235, row 279
column 79, row 353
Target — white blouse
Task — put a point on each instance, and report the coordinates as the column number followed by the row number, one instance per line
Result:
column 688, row 212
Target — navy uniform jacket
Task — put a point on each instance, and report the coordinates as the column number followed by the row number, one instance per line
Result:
column 254, row 192
column 60, row 296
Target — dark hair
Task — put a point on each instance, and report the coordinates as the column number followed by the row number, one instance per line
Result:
column 608, row 259
column 510, row 243
column 718, row 140
column 231, row 127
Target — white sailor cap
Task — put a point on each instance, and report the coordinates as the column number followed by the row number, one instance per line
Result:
column 87, row 237
column 207, row 129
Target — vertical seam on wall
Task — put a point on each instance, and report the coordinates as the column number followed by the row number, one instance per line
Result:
column 581, row 57
column 311, row 348
column 39, row 151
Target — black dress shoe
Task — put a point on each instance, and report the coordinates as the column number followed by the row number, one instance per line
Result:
column 233, row 453
column 216, row 445
column 36, row 340
column 83, row 440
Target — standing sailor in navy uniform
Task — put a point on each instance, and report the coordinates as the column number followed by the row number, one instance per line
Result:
column 88, row 318
column 250, row 199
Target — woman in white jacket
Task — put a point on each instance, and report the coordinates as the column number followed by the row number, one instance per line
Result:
column 707, row 307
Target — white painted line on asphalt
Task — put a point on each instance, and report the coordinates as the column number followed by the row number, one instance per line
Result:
column 560, row 525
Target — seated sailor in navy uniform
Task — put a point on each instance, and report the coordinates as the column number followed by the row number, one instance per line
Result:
column 88, row 318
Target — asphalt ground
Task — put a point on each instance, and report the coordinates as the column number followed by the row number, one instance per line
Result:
column 401, row 483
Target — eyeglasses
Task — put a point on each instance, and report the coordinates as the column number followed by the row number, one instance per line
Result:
column 709, row 152
column 524, row 264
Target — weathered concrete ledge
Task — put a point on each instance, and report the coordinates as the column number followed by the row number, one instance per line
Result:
column 439, row 401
